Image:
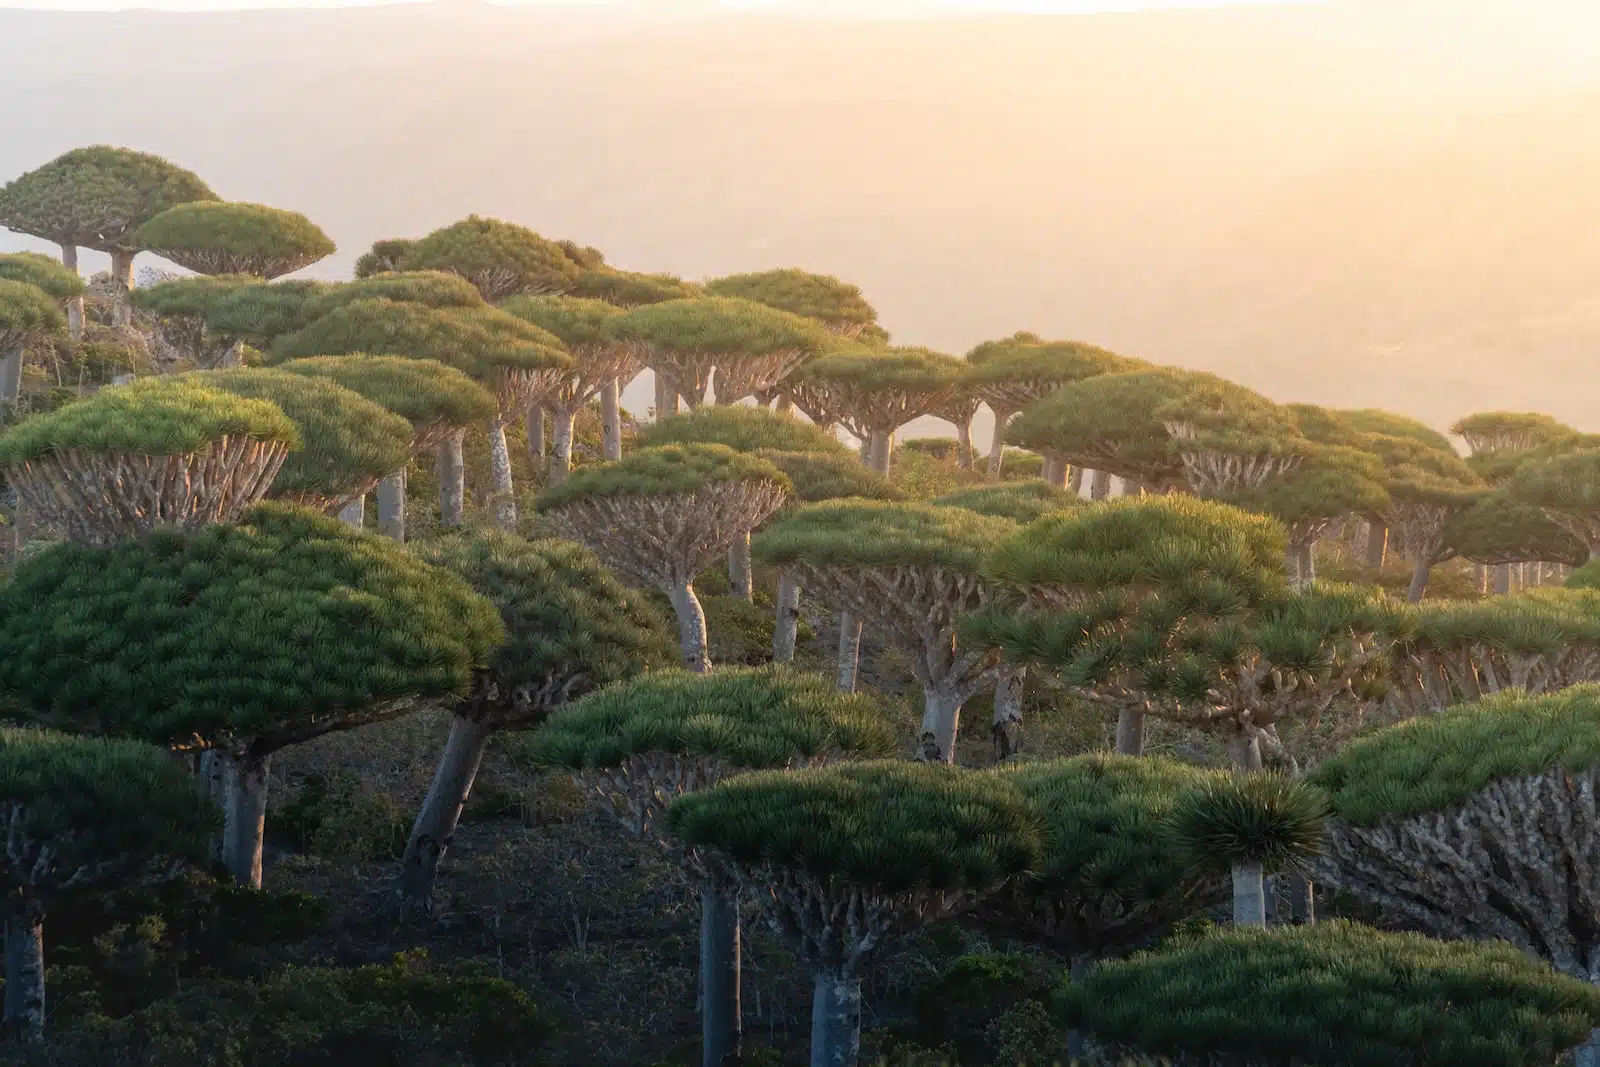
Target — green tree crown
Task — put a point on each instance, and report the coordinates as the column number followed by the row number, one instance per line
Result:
column 500, row 258
column 717, row 326
column 424, row 392
column 42, row 272
column 1331, row 481
column 152, row 416
column 574, row 320
column 97, row 196
column 750, row 718
column 384, row 257
column 1021, row 502
column 871, row 533
column 1585, row 577
column 1387, row 423
column 287, row 622
column 899, row 369
column 218, row 237
column 261, row 312
column 891, row 826
column 431, row 288
column 627, row 289
column 1111, row 420
column 1418, row 473
column 742, row 428
column 1499, row 529
column 1325, row 426
column 1268, row 819
column 817, row 476
column 1536, row 622
column 664, row 471
column 1026, row 357
column 1563, row 482
column 195, row 297
column 26, row 313
column 1513, row 431
column 834, row 303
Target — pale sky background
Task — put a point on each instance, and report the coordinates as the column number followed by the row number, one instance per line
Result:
column 898, row 7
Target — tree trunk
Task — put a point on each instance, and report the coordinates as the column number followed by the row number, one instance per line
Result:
column 835, row 1019
column 1308, row 563
column 11, row 376
column 1244, row 750
column 1008, row 712
column 941, row 718
column 849, row 651
column 1055, row 470
column 964, row 445
column 534, row 423
column 1100, row 485
column 1419, row 581
column 1291, row 563
column 997, row 445
column 503, row 499
column 564, row 423
column 880, row 452
column 1588, row 1054
column 1377, row 544
column 435, row 826
column 784, row 405
column 741, row 580
column 1130, row 732
column 246, row 816
column 1302, row 901
column 666, row 397
column 611, row 420
column 1075, row 481
column 233, row 357
column 1132, row 488
column 392, row 506
column 121, row 286
column 24, row 1010
column 1249, row 895
column 721, row 1022
column 691, row 628
column 354, row 513
column 786, row 629
column 69, row 259
column 452, row 479
column 213, row 777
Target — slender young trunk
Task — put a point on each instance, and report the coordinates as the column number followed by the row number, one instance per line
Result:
column 503, row 499
column 354, row 514
column 997, row 445
column 121, row 286
column 941, row 718
column 435, row 826
column 1291, row 563
column 1130, row 732
column 691, row 628
column 534, row 423
column 1100, row 485
column 611, row 420
column 964, row 445
column 392, row 506
column 1419, row 581
column 721, row 1021
column 741, row 580
column 1055, row 470
column 849, row 651
column 245, row 819
column 452, row 479
column 1249, row 895
column 666, row 397
column 24, row 1004
column 1075, row 481
column 880, row 452
column 1302, row 901
column 835, row 1019
column 1244, row 750
column 565, row 422
column 11, row 375
column 786, row 629
column 1308, row 563
column 69, row 260
column 1008, row 712
column 1377, row 544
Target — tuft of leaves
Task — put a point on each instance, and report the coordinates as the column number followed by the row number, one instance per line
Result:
column 574, row 320
column 818, row 476
column 870, row 533
column 27, row 313
column 500, row 258
column 424, row 392
column 742, row 428
column 627, row 289
column 723, row 326
column 1266, row 819
column 217, row 237
column 42, row 272
column 836, row 304
column 97, row 196
column 665, row 471
column 430, row 288
column 1021, row 502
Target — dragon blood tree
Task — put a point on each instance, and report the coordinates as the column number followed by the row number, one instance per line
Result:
column 184, row 314
column 1509, row 432
column 836, row 304
column 911, row 571
column 500, row 258
column 438, row 401
column 571, row 628
column 157, row 452
column 96, row 198
column 83, row 814
column 1428, row 488
column 958, row 410
column 1334, row 995
column 1479, row 823
column 875, row 391
column 846, row 861
column 630, row 289
column 55, row 281
column 28, row 315
column 348, row 444
column 217, row 237
column 1013, row 373
column 638, row 745
column 513, row 359
column 383, row 257
column 660, row 516
column 1500, row 530
column 239, row 639
column 600, row 364
column 1564, row 486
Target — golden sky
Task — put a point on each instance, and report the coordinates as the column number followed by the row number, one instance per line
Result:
column 895, row 7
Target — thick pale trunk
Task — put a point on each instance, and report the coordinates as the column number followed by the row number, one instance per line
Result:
column 784, row 404
column 69, row 259
column 849, row 651
column 1291, row 563
column 213, row 777
column 997, row 445
column 1377, row 544
column 564, row 422
column 1308, row 563
column 1008, row 712
column 1419, row 581
column 1055, row 471
column 964, row 445
column 941, row 718
column 880, row 452
column 245, row 820
column 1249, row 895
column 24, row 1010
column 721, row 1021
column 354, row 513
column 666, row 397
column 452, row 479
column 233, row 357
column 503, row 499
column 1588, row 1054
column 392, row 506
column 121, row 286
column 1100, row 485
column 1075, row 481
column 435, row 826
column 835, row 1020
column 534, row 424
column 1244, row 751
column 1130, row 732
column 786, row 627
column 11, row 376
column 741, row 580
column 691, row 629
column 611, row 420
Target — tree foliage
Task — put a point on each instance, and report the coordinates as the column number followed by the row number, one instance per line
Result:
column 627, row 289
column 43, row 272
column 664, row 471
column 1509, row 431
column 384, row 257
column 575, row 321
column 716, row 326
column 1264, row 819
column 744, row 429
column 96, row 197
column 217, row 237
column 431, row 288
column 1021, row 502
column 1388, row 424
column 818, row 476
column 500, row 258
column 424, row 392
column 836, row 304
column 870, row 533
column 26, row 314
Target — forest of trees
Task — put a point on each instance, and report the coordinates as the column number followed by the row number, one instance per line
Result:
column 638, row 741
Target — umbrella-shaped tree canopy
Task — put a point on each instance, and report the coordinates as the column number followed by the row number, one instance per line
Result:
column 500, row 258
column 97, row 196
column 216, row 237
column 836, row 304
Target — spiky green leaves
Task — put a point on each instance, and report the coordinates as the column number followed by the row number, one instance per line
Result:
column 42, row 272
column 890, row 827
column 1388, row 424
column 886, row 370
column 500, row 258
column 424, row 392
column 1265, row 819
column 97, row 196
column 574, row 320
column 869, row 533
column 665, row 471
column 26, row 314
column 1499, row 528
column 744, row 429
column 747, row 718
column 384, row 257
column 1568, row 483
column 1024, row 357
column 1510, row 431
column 1336, row 995
column 717, row 326
column 836, row 304
column 214, row 237
column 196, row 297
column 818, row 476
column 93, row 802
column 1018, row 501
column 153, row 416
column 627, row 289
column 284, row 626
column 430, row 288
column 1538, row 622
column 1418, row 473
column 1108, row 422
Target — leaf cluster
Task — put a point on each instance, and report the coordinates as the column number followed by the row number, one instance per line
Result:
column 573, row 320
column 1568, row 482
column 1388, row 424
column 384, row 257
column 1536, row 622
column 664, row 471
column 722, row 326
column 1499, row 528
column 872, row 533
column 1021, row 502
column 1330, row 481
column 891, row 369
column 1082, row 419
column 97, row 196
column 1516, row 431
column 42, row 272
column 742, row 428
column 1416, row 472
column 627, row 289
column 818, row 476
column 1266, row 819
column 219, row 237
column 834, row 303
column 196, row 297
column 430, row 288
column 27, row 312
column 1024, row 357
column 424, row 392
column 500, row 258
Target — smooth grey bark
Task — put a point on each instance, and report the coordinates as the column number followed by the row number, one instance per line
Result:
column 1075, row 481
column 1291, row 564
column 435, row 826
column 849, row 651
column 835, row 1019
column 1100, row 485
column 233, row 357
column 354, row 513
column 1130, row 732
column 691, row 628
column 1244, row 751
column 1055, row 471
column 213, row 780
column 784, row 405
column 24, row 1003
column 1008, row 711
column 503, row 501
column 741, row 579
column 1377, row 544
column 1308, row 562
column 786, row 627
column 880, row 452
column 69, row 259
column 392, row 506
column 1419, row 581
column 721, row 1021
column 245, row 816
column 564, row 423
column 11, row 375
column 611, row 420
column 964, row 450
column 452, row 479
column 941, row 719
column 666, row 397
column 533, row 423
column 997, row 445
column 122, row 285
column 1249, row 895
